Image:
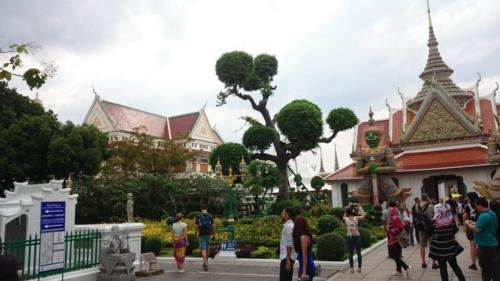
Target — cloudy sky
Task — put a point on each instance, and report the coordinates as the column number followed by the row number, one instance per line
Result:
column 159, row 56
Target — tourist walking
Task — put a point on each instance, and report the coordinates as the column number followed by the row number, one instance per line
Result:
column 287, row 254
column 485, row 236
column 204, row 232
column 425, row 227
column 408, row 222
column 302, row 242
column 414, row 212
column 444, row 248
column 353, row 237
column 180, row 241
column 395, row 251
column 470, row 213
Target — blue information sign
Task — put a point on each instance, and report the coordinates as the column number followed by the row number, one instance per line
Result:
column 53, row 216
column 52, row 226
column 228, row 245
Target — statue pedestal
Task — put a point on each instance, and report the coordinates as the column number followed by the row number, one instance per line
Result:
column 227, row 252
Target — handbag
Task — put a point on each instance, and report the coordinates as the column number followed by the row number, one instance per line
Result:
column 317, row 266
column 403, row 239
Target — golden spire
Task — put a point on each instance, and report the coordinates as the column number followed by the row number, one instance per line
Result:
column 429, row 14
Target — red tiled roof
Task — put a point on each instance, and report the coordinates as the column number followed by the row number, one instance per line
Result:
column 346, row 173
column 450, row 158
column 382, row 125
column 397, row 123
column 487, row 116
column 181, row 126
column 470, row 108
column 126, row 119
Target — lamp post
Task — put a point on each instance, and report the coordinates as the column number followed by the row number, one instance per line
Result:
column 230, row 178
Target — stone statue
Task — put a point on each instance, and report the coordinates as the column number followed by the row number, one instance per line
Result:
column 375, row 162
column 116, row 260
column 130, row 207
column 491, row 190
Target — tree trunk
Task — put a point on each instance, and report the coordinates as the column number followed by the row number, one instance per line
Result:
column 283, row 187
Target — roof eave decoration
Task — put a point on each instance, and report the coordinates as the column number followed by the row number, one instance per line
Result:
column 439, row 94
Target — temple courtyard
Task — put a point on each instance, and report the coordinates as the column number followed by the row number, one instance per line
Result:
column 376, row 267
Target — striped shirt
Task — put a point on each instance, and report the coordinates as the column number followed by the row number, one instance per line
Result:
column 443, row 243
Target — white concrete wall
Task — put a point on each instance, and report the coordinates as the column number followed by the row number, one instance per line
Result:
column 131, row 230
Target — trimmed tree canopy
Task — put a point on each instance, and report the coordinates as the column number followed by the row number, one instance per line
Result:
column 259, row 138
column 341, row 119
column 301, row 122
column 229, row 153
column 317, row 182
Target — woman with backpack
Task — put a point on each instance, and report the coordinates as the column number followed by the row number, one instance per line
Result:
column 444, row 248
column 395, row 250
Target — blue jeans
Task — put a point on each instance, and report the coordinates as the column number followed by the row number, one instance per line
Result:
column 354, row 242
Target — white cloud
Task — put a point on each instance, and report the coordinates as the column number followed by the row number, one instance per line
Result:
column 159, row 55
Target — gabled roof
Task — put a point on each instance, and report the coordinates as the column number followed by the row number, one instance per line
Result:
column 181, row 125
column 435, row 117
column 127, row 119
column 346, row 173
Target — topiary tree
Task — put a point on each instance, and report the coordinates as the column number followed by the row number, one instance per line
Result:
column 331, row 247
column 263, row 176
column 229, row 154
column 300, row 122
column 153, row 244
column 279, row 205
column 366, row 237
column 327, row 223
column 317, row 183
column 337, row 212
column 374, row 216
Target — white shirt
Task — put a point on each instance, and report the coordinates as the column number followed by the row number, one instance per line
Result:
column 287, row 240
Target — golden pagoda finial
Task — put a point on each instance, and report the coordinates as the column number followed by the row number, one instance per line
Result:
column 429, row 14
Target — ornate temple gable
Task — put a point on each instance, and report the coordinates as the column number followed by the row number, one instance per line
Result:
column 439, row 118
column 202, row 129
column 98, row 117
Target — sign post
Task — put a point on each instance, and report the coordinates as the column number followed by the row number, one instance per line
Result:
column 52, row 230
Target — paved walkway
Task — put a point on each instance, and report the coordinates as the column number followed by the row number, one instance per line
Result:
column 377, row 267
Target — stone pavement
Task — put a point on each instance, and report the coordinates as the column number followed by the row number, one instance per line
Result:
column 377, row 267
column 224, row 272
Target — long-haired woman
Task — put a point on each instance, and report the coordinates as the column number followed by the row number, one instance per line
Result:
column 302, row 242
column 180, row 238
column 444, row 247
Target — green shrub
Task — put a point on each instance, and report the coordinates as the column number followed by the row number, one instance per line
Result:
column 337, row 212
column 342, row 232
column 262, row 252
column 193, row 215
column 327, row 223
column 331, row 247
column 246, row 221
column 153, row 244
column 279, row 205
column 196, row 252
column 366, row 237
column 193, row 243
column 374, row 216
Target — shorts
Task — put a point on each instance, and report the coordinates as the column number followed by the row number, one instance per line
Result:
column 469, row 234
column 204, row 242
column 424, row 238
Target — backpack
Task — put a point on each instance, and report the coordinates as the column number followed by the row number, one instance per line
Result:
column 403, row 239
column 424, row 223
column 205, row 224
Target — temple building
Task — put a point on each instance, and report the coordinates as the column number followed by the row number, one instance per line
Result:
column 119, row 121
column 437, row 140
